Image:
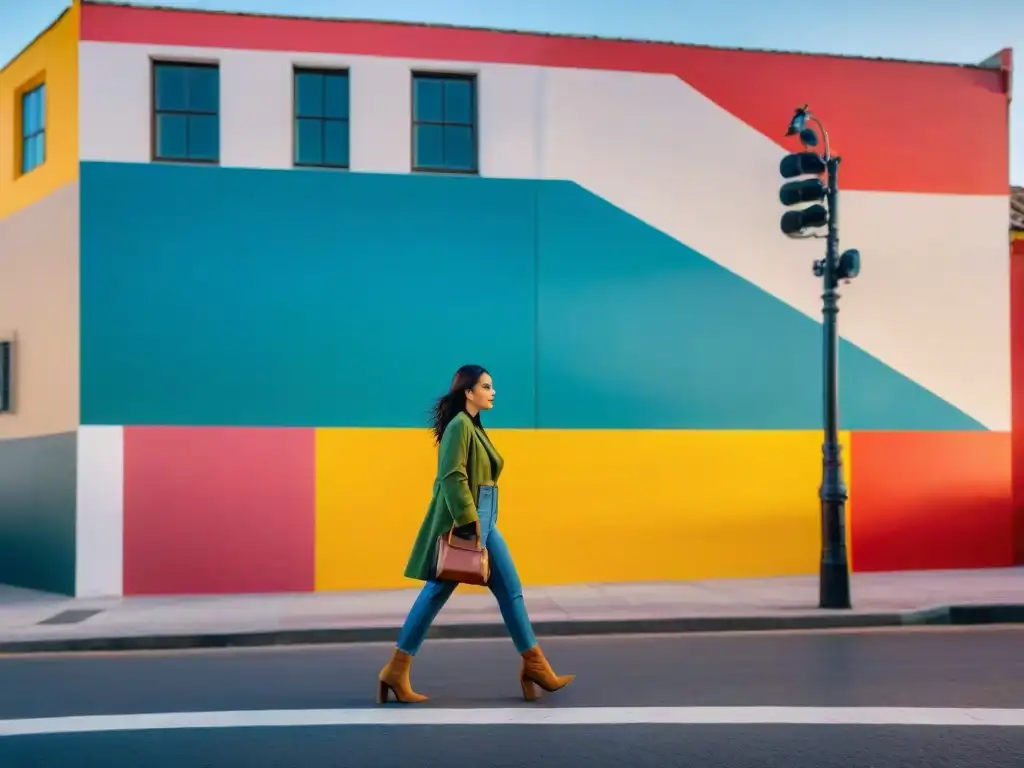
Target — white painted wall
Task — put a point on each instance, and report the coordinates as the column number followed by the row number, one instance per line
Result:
column 658, row 149
column 256, row 107
column 99, row 520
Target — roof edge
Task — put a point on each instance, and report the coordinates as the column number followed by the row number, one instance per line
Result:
column 1002, row 61
column 532, row 33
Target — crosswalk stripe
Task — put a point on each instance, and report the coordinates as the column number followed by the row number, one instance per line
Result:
column 396, row 715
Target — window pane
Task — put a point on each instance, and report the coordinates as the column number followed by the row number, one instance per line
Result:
column 171, row 136
column 171, row 87
column 428, row 100
column 31, row 112
column 429, row 146
column 336, row 96
column 458, row 101
column 459, row 152
column 42, row 106
column 203, row 137
column 309, row 148
column 32, row 153
column 203, row 89
column 336, row 142
column 309, row 95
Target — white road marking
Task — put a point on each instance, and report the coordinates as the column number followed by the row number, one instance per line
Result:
column 396, row 715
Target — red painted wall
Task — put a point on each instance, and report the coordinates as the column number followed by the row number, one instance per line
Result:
column 219, row 510
column 931, row 500
column 1017, row 377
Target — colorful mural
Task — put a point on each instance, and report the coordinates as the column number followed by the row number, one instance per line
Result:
column 260, row 342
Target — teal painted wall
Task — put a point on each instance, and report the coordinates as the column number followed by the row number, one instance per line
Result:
column 300, row 298
column 37, row 512
column 289, row 298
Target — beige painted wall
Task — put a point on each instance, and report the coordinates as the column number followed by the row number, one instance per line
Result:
column 39, row 302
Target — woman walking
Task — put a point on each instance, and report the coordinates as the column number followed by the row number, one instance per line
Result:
column 464, row 504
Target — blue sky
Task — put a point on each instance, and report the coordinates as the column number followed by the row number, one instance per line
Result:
column 965, row 32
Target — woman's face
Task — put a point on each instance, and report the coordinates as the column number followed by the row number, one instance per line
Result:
column 481, row 396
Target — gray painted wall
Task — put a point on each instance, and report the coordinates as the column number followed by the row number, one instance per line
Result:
column 37, row 512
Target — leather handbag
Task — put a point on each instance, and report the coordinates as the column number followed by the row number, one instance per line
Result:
column 462, row 560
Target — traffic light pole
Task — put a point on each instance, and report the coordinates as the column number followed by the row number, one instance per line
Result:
column 806, row 168
column 834, row 574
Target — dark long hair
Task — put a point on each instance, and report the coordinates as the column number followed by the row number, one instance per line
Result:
column 447, row 406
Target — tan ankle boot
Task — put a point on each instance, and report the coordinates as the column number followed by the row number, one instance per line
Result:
column 395, row 678
column 537, row 672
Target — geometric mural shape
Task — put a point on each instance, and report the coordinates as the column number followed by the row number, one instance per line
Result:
column 37, row 512
column 931, row 500
column 638, row 331
column 238, row 297
column 218, row 510
column 372, row 489
column 640, row 505
column 305, row 299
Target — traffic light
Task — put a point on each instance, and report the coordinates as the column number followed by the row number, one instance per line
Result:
column 803, row 190
column 847, row 267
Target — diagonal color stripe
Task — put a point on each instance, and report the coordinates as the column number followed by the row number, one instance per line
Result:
column 396, row 716
column 575, row 348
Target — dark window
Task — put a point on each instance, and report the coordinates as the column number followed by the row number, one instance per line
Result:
column 5, row 376
column 321, row 118
column 444, row 123
column 186, row 112
column 33, row 128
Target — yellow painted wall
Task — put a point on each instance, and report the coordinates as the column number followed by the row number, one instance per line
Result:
column 52, row 57
column 637, row 505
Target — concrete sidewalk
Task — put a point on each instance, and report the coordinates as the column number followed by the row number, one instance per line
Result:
column 37, row 622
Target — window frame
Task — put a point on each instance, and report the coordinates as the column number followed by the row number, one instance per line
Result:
column 473, row 79
column 23, row 96
column 154, row 112
column 327, row 72
column 6, row 375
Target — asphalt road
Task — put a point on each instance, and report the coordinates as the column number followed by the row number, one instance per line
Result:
column 930, row 668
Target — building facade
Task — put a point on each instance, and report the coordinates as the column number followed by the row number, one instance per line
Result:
column 251, row 250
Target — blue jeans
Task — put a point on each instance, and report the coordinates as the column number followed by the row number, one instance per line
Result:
column 504, row 585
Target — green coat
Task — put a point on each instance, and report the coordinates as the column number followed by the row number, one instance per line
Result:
column 465, row 461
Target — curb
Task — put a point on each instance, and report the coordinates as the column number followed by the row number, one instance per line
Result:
column 951, row 615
